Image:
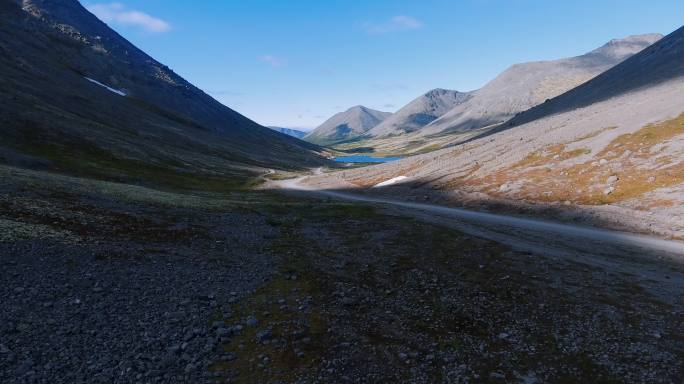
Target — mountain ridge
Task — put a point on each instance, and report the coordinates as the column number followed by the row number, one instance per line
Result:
column 345, row 125
column 60, row 64
column 525, row 85
column 419, row 112
column 658, row 63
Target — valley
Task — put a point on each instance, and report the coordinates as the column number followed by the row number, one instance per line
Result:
column 528, row 231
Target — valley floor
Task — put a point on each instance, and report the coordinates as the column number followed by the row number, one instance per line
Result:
column 106, row 282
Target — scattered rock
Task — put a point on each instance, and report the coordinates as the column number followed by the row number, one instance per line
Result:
column 24, row 367
column 251, row 321
column 264, row 335
column 497, row 376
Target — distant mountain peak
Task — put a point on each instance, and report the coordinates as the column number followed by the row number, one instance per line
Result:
column 525, row 85
column 437, row 92
column 625, row 47
column 346, row 125
column 419, row 112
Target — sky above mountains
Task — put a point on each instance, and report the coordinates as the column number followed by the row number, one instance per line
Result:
column 296, row 63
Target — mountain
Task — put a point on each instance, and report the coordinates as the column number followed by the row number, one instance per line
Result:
column 612, row 147
column 78, row 97
column 346, row 125
column 290, row 132
column 660, row 63
column 526, row 85
column 419, row 112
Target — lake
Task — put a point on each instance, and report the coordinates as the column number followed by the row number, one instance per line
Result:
column 365, row 159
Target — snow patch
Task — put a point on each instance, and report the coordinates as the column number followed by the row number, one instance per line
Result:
column 391, row 181
column 110, row 89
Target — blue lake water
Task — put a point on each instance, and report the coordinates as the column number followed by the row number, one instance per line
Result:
column 365, row 159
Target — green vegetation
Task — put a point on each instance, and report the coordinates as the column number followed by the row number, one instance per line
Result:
column 93, row 162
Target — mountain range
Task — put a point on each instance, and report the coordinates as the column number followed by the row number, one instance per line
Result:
column 523, row 86
column 445, row 117
column 613, row 146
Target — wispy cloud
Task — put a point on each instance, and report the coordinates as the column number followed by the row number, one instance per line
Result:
column 388, row 105
column 117, row 13
column 273, row 61
column 396, row 23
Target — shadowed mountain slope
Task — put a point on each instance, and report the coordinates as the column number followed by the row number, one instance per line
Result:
column 77, row 94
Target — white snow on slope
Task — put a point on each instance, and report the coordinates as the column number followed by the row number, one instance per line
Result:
column 391, row 181
column 118, row 92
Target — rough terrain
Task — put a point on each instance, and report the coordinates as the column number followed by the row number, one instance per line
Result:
column 109, row 282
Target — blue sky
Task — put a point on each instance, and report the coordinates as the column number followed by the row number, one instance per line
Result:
column 295, row 63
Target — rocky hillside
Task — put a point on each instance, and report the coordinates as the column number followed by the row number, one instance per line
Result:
column 526, row 85
column 611, row 150
column 419, row 112
column 346, row 125
column 78, row 97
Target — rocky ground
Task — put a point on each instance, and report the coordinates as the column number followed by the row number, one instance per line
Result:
column 106, row 282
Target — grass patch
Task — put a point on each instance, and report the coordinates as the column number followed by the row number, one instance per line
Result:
column 94, row 162
column 629, row 157
column 299, row 337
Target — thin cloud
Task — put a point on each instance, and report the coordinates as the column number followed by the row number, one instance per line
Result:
column 388, row 105
column 396, row 23
column 273, row 61
column 117, row 13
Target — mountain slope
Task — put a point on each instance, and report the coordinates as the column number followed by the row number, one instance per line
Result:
column 346, row 125
column 81, row 96
column 290, row 132
column 659, row 63
column 419, row 112
column 614, row 147
column 526, row 85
